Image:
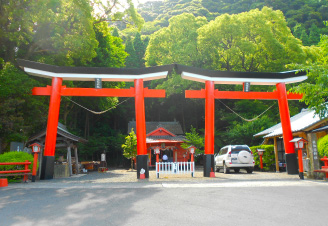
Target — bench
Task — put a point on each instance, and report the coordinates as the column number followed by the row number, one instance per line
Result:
column 321, row 170
column 324, row 169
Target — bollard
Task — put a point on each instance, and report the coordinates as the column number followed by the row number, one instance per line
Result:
column 3, row 182
column 142, row 173
column 212, row 174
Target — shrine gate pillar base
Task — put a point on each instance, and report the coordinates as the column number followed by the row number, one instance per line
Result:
column 142, row 163
column 47, row 167
column 208, row 165
column 291, row 164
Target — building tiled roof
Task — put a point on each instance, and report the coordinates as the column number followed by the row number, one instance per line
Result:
column 300, row 122
column 173, row 127
column 61, row 131
column 176, row 138
column 320, row 129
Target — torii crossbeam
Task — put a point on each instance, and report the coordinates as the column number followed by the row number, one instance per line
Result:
column 244, row 78
column 56, row 90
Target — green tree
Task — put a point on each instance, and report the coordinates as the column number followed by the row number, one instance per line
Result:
column 314, row 35
column 305, row 38
column 242, row 133
column 117, row 11
column 110, row 50
column 21, row 114
column 130, row 147
column 194, row 139
column 35, row 30
column 177, row 43
column 251, row 41
column 315, row 88
column 131, row 60
column 140, row 49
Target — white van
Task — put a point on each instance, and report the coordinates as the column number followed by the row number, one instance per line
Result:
column 234, row 157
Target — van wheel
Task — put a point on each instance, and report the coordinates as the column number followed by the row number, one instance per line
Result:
column 225, row 169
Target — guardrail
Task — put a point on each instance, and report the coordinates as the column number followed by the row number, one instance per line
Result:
column 175, row 168
column 26, row 171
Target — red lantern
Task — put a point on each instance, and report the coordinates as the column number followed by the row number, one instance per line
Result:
column 36, row 148
column 299, row 144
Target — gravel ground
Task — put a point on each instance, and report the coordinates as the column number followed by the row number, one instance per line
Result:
column 122, row 175
column 122, row 178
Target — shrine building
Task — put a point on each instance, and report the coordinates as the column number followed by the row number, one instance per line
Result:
column 168, row 136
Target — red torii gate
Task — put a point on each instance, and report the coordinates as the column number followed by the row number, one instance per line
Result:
column 56, row 90
column 245, row 78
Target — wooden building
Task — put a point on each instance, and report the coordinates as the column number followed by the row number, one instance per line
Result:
column 169, row 136
column 64, row 139
column 306, row 125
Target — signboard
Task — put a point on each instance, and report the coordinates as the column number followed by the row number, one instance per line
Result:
column 98, row 83
column 315, row 149
column 103, row 157
column 16, row 146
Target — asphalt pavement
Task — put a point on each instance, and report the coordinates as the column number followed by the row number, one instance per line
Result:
column 118, row 198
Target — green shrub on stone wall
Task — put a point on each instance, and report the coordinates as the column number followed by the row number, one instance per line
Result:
column 323, row 146
column 268, row 156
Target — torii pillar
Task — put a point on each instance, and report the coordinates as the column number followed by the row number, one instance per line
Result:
column 209, row 128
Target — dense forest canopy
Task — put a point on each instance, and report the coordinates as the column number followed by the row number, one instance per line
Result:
column 232, row 35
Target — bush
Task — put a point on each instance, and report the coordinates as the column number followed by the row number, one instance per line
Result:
column 268, row 156
column 15, row 156
column 323, row 146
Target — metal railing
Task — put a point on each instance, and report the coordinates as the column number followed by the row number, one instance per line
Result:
column 175, row 168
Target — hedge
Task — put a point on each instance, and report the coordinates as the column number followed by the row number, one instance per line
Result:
column 268, row 156
column 323, row 146
column 15, row 156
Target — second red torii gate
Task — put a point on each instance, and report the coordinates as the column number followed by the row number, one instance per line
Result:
column 222, row 77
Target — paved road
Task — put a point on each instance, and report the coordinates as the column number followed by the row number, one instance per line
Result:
column 257, row 200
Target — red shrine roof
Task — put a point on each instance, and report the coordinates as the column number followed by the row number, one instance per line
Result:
column 161, row 132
